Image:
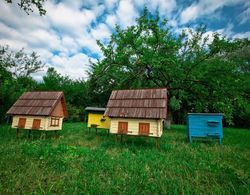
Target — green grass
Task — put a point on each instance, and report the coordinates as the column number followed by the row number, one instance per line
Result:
column 79, row 162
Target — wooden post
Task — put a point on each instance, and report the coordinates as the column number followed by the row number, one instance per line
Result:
column 17, row 133
column 29, row 134
column 56, row 134
column 157, row 142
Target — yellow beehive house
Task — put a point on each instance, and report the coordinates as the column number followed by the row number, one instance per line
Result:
column 96, row 118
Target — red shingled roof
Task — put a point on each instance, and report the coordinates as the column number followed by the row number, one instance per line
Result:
column 138, row 103
column 40, row 103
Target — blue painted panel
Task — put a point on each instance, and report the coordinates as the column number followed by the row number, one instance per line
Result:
column 204, row 125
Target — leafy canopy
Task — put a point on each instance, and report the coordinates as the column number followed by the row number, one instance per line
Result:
column 202, row 73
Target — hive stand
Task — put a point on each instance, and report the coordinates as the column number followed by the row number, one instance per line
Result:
column 157, row 144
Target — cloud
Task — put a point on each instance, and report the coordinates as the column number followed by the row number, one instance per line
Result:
column 164, row 7
column 126, row 13
column 204, row 7
column 245, row 15
column 242, row 35
column 76, row 65
column 65, row 37
column 101, row 32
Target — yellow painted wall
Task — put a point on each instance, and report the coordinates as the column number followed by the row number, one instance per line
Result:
column 95, row 118
column 156, row 126
column 45, row 122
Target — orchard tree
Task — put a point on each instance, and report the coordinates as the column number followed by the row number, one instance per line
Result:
column 200, row 71
column 15, row 75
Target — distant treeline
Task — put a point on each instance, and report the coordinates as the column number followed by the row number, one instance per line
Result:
column 202, row 73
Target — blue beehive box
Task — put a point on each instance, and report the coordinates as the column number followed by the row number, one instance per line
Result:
column 204, row 125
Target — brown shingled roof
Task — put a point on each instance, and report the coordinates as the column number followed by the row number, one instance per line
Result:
column 138, row 103
column 40, row 103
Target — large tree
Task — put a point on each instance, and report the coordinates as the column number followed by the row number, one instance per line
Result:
column 15, row 75
column 201, row 72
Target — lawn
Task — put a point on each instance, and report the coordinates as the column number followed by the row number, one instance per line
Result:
column 79, row 162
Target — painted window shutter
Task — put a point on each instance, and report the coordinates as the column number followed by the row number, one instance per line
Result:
column 36, row 124
column 144, row 128
column 21, row 122
column 122, row 127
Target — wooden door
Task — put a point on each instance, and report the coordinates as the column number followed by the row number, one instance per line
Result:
column 36, row 124
column 144, row 128
column 122, row 127
column 21, row 122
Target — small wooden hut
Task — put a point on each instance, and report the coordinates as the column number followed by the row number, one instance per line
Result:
column 96, row 118
column 43, row 110
column 137, row 111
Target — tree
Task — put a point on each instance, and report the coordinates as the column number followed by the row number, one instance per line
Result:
column 75, row 91
column 27, row 5
column 19, row 64
column 15, row 75
column 200, row 73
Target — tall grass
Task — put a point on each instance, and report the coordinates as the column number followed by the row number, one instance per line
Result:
column 79, row 162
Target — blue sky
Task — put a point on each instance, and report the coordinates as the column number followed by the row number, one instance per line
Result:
column 65, row 38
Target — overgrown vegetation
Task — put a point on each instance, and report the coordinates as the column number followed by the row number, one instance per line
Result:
column 79, row 162
column 203, row 74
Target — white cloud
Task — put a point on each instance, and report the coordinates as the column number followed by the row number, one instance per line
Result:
column 65, row 37
column 126, row 13
column 111, row 20
column 164, row 7
column 101, row 32
column 245, row 15
column 204, row 7
column 74, row 66
column 242, row 35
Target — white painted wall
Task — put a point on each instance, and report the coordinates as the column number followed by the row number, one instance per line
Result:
column 45, row 122
column 156, row 126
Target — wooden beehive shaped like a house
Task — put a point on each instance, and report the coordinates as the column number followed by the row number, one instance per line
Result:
column 137, row 111
column 43, row 110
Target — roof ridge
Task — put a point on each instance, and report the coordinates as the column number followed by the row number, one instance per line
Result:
column 140, row 89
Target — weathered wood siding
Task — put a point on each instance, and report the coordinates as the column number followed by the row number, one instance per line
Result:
column 156, row 126
column 45, row 122
column 58, row 110
column 95, row 118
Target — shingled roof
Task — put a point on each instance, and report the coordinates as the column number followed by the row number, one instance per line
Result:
column 138, row 103
column 40, row 103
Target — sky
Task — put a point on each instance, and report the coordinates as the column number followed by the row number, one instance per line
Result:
column 65, row 38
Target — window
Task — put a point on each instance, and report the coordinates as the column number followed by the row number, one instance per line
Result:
column 54, row 122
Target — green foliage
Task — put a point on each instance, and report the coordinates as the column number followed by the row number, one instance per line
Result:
column 27, row 5
column 15, row 76
column 202, row 74
column 80, row 163
column 75, row 91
